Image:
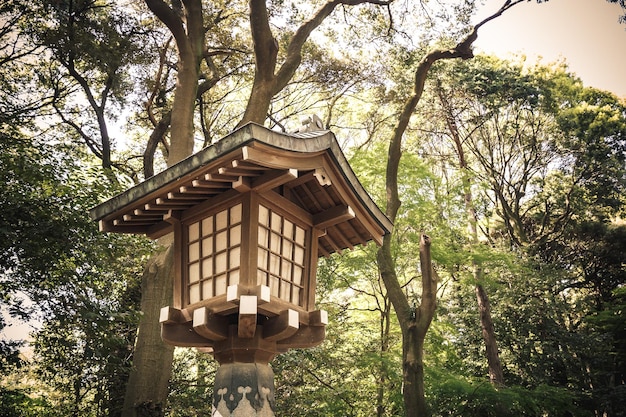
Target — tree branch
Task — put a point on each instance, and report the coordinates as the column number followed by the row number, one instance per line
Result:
column 170, row 18
column 265, row 46
column 294, row 49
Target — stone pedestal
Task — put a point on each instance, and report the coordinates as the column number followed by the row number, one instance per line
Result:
column 244, row 390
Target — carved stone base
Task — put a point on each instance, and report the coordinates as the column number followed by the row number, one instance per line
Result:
column 244, row 390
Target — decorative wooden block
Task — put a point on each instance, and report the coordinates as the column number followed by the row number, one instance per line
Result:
column 209, row 325
column 282, row 326
column 247, row 316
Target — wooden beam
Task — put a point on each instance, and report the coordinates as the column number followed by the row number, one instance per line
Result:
column 243, row 184
column 105, row 226
column 144, row 217
column 263, row 294
column 173, row 196
column 275, row 201
column 322, row 177
column 209, row 325
column 270, row 158
column 318, row 318
column 312, row 199
column 328, row 239
column 305, row 337
column 248, row 166
column 172, row 217
column 274, row 179
column 141, row 212
column 220, row 177
column 137, row 222
column 185, row 189
column 163, row 204
column 183, row 335
column 302, row 179
column 285, row 325
column 332, row 216
column 124, row 228
column 235, row 292
column 171, row 315
column 239, row 172
column 207, row 185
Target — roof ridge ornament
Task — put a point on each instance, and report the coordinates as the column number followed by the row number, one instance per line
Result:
column 310, row 123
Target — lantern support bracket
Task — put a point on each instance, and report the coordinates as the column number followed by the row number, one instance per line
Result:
column 285, row 325
column 209, row 325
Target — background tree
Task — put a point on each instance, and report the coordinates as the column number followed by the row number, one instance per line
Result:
column 527, row 162
column 59, row 270
column 415, row 322
column 97, row 82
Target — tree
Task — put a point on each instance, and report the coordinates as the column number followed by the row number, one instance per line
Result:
column 415, row 322
column 148, row 385
column 496, row 375
column 525, row 148
column 94, row 82
column 267, row 80
column 59, row 270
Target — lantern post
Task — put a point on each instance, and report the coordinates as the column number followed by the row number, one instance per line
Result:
column 250, row 216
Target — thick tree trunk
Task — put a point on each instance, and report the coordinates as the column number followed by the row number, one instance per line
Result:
column 152, row 360
column 181, row 138
column 414, row 323
column 147, row 389
column 413, row 373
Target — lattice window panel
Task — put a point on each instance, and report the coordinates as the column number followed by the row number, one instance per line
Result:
column 214, row 254
column 281, row 256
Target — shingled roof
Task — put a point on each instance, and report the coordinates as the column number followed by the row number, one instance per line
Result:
column 307, row 168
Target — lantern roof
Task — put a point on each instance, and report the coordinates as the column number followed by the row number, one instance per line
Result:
column 309, row 169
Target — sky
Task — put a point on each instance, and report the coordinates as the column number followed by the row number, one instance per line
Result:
column 585, row 33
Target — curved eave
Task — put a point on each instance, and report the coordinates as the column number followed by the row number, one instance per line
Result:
column 309, row 167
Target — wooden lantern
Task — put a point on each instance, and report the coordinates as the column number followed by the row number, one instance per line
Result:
column 250, row 215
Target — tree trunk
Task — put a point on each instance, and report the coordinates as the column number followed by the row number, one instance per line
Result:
column 414, row 391
column 414, row 323
column 383, row 378
column 152, row 359
column 496, row 376
column 268, row 79
column 182, row 130
column 148, row 383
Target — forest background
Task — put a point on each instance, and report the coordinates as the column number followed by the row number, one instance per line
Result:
column 515, row 170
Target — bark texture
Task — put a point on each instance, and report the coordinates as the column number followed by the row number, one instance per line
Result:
column 147, row 389
column 496, row 376
column 188, row 34
column 152, row 360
